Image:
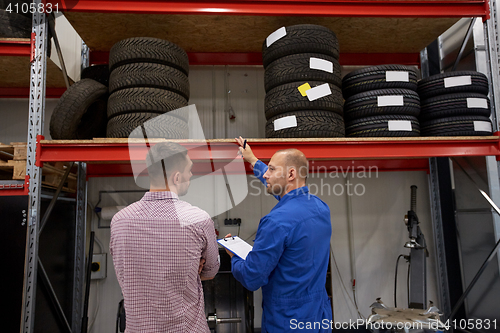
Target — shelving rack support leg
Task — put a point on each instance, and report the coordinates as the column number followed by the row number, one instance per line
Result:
column 492, row 40
column 79, row 255
column 35, row 127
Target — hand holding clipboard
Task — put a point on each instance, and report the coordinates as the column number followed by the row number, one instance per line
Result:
column 236, row 246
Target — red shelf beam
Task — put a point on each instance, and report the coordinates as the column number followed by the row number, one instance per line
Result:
column 385, row 154
column 6, row 92
column 15, row 48
column 339, row 8
column 15, row 188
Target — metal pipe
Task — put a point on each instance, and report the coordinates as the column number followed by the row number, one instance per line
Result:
column 350, row 232
column 52, row 295
column 85, row 319
column 228, row 320
column 414, row 198
column 474, row 280
column 54, row 198
column 464, row 44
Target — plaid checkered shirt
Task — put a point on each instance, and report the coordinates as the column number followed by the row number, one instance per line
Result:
column 156, row 245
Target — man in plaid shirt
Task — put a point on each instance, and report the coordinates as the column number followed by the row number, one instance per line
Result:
column 162, row 248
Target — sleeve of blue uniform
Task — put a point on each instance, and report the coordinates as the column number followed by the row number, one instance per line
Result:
column 259, row 169
column 269, row 244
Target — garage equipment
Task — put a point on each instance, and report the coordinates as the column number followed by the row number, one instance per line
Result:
column 418, row 253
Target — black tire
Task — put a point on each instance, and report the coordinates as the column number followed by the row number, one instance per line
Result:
column 148, row 49
column 301, row 38
column 149, row 75
column 155, row 125
column 287, row 98
column 99, row 73
column 14, row 25
column 152, row 100
column 80, row 112
column 454, row 126
column 374, row 78
column 378, row 126
column 296, row 67
column 435, row 85
column 366, row 104
column 452, row 105
column 310, row 124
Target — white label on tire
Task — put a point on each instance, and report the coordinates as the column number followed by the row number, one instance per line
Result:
column 397, row 76
column 393, row 100
column 285, row 122
column 482, row 126
column 399, row 125
column 457, row 81
column 480, row 103
column 321, row 64
column 280, row 33
column 318, row 92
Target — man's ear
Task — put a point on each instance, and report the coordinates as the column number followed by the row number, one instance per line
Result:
column 176, row 178
column 292, row 174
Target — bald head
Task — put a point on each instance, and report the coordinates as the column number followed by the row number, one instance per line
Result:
column 295, row 158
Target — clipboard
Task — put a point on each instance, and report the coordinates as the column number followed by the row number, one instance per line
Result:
column 236, row 245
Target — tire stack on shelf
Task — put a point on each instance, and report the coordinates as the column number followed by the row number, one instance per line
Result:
column 148, row 78
column 455, row 104
column 99, row 73
column 381, row 101
column 302, row 83
column 15, row 19
column 80, row 113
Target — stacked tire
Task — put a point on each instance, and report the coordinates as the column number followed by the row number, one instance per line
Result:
column 455, row 104
column 148, row 82
column 302, row 83
column 381, row 101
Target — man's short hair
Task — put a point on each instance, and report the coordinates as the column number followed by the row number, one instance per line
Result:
column 297, row 159
column 165, row 158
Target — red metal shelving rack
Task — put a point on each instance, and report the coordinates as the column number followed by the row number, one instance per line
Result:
column 386, row 154
column 338, row 8
column 391, row 154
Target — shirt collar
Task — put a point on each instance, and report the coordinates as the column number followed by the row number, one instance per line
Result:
column 304, row 190
column 162, row 195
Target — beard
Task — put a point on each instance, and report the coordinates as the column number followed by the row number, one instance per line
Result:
column 275, row 189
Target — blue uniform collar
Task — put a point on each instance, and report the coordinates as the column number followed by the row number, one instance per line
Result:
column 304, row 190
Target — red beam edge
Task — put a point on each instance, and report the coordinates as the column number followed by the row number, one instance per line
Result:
column 38, row 152
column 344, row 150
column 15, row 48
column 14, row 192
column 364, row 8
column 6, row 92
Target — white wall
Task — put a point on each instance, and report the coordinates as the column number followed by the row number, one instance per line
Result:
column 14, row 115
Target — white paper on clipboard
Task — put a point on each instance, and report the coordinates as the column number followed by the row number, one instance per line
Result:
column 236, row 245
